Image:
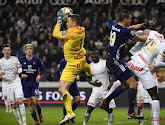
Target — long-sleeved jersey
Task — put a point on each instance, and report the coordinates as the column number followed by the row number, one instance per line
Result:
column 32, row 68
column 74, row 42
column 8, row 66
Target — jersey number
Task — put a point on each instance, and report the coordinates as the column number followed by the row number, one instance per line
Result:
column 150, row 46
column 112, row 38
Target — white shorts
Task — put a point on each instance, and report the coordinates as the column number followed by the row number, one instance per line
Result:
column 3, row 91
column 97, row 96
column 144, row 75
column 13, row 93
column 142, row 95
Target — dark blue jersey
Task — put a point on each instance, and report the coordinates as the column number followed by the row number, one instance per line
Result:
column 73, row 90
column 118, row 38
column 32, row 68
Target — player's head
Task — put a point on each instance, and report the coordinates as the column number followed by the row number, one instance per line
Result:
column 73, row 20
column 126, row 17
column 163, row 32
column 28, row 49
column 6, row 50
column 95, row 56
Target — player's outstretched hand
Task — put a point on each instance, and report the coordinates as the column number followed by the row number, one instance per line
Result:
column 96, row 83
column 139, row 25
column 24, row 76
column 38, row 78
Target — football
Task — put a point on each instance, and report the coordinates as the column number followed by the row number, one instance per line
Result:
column 66, row 11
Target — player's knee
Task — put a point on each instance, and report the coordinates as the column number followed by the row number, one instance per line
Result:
column 60, row 91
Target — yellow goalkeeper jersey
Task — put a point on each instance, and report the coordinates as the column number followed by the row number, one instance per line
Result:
column 74, row 42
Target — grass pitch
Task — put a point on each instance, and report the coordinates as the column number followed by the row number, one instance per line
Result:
column 52, row 116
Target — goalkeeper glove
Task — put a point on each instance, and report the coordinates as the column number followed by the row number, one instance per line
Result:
column 59, row 17
column 62, row 17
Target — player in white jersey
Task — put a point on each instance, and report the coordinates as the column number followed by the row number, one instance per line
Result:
column 100, row 76
column 10, row 68
column 140, row 65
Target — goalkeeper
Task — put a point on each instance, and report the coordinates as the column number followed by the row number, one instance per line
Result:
column 74, row 54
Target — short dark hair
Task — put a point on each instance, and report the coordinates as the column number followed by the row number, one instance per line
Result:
column 163, row 32
column 76, row 17
column 123, row 14
column 6, row 45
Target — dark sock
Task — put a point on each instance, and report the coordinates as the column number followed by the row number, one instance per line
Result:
column 33, row 113
column 74, row 105
column 131, row 98
column 64, row 111
column 115, row 93
column 38, row 108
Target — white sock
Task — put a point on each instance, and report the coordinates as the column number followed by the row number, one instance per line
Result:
column 6, row 103
column 23, row 112
column 141, row 113
column 17, row 115
column 86, row 118
column 155, row 112
column 110, row 118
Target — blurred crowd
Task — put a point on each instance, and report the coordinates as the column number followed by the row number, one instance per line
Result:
column 34, row 24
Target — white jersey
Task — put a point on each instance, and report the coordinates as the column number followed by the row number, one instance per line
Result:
column 8, row 66
column 150, row 49
column 99, row 70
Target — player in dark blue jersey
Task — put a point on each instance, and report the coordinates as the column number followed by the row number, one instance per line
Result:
column 31, row 76
column 119, row 35
column 73, row 90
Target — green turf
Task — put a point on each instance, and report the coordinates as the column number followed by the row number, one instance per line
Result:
column 52, row 116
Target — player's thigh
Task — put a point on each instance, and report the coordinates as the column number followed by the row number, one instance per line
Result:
column 70, row 72
column 27, row 91
column 147, row 79
column 18, row 92
column 94, row 99
column 10, row 95
column 35, row 90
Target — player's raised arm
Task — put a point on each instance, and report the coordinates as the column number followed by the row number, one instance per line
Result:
column 60, row 18
column 137, row 26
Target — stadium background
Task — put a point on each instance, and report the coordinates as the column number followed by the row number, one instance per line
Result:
column 32, row 21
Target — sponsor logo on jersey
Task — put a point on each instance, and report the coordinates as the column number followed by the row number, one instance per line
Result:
column 132, row 33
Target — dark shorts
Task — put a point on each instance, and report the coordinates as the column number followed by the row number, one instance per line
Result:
column 119, row 69
column 30, row 91
column 74, row 90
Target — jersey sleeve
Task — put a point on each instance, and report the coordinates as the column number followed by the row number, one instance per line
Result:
column 62, row 34
column 129, row 34
column 18, row 65
column 41, row 66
